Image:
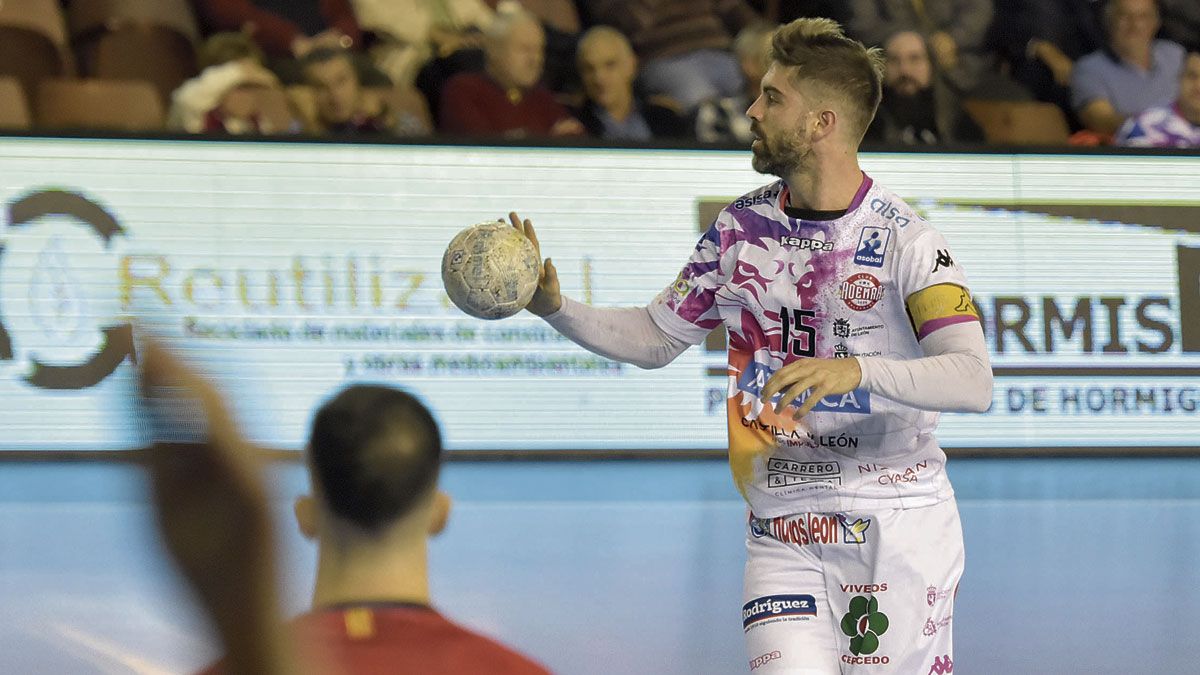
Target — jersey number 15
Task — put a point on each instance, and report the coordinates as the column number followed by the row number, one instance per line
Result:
column 797, row 337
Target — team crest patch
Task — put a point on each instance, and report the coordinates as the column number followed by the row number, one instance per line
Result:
column 861, row 291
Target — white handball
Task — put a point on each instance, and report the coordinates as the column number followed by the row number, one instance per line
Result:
column 490, row 270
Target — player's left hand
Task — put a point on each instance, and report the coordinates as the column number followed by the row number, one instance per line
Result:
column 826, row 377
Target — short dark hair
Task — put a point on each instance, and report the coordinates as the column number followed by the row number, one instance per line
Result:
column 375, row 452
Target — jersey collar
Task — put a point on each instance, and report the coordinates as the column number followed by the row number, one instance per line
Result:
column 812, row 214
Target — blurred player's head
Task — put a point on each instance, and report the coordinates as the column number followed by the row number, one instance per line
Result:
column 1132, row 25
column 607, row 66
column 819, row 95
column 752, row 46
column 908, row 68
column 1189, row 88
column 336, row 87
column 374, row 454
column 515, row 49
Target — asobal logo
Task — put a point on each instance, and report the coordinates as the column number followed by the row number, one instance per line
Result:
column 56, row 304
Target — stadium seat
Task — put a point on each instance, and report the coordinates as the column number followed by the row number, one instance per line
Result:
column 98, row 104
column 14, row 107
column 33, row 42
column 1019, row 122
column 40, row 16
column 158, row 55
column 86, row 18
column 30, row 57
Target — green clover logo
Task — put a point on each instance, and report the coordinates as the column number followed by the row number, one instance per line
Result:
column 864, row 623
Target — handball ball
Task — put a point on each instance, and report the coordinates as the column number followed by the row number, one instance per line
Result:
column 490, row 270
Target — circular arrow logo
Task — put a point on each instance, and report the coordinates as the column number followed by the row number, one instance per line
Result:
column 116, row 342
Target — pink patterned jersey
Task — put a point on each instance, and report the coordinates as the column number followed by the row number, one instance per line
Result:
column 1159, row 128
column 869, row 283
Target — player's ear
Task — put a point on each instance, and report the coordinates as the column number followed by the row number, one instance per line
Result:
column 440, row 514
column 823, row 124
column 305, row 510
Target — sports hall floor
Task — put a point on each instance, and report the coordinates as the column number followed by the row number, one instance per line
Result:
column 602, row 567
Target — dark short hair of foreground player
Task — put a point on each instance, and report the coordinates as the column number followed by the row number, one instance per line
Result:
column 374, row 456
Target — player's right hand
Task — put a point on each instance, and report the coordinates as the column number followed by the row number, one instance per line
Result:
column 547, row 299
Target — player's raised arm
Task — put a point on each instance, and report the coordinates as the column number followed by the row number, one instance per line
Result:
column 625, row 334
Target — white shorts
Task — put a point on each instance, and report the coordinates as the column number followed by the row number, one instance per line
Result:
column 858, row 592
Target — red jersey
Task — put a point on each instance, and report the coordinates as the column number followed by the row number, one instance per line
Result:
column 474, row 105
column 399, row 639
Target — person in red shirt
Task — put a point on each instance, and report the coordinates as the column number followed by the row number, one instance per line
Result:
column 506, row 99
column 374, row 456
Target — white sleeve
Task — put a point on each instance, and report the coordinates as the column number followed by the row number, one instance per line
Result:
column 626, row 334
column 955, row 374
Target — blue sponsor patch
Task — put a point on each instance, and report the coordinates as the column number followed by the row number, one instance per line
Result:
column 872, row 246
column 857, row 401
column 777, row 607
column 755, row 376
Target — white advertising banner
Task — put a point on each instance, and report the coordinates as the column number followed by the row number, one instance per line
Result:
column 291, row 269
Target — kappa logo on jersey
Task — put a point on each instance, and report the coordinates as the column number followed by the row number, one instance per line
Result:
column 943, row 260
column 781, row 607
column 872, row 246
column 941, row 665
column 806, row 244
column 860, row 291
column 760, row 661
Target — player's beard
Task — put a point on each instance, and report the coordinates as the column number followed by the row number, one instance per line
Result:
column 781, row 155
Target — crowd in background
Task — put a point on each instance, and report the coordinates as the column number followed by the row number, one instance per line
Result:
column 1085, row 72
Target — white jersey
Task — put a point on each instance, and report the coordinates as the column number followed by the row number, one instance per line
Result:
column 868, row 283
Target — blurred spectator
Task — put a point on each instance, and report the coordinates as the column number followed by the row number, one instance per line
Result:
column 374, row 455
column 956, row 31
column 917, row 107
column 228, row 46
column 560, row 21
column 286, row 30
column 222, row 99
column 724, row 120
column 1041, row 40
column 411, row 33
column 1134, row 73
column 608, row 67
column 1181, row 22
column 1175, row 126
column 506, row 100
column 342, row 105
column 683, row 44
column 210, row 503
